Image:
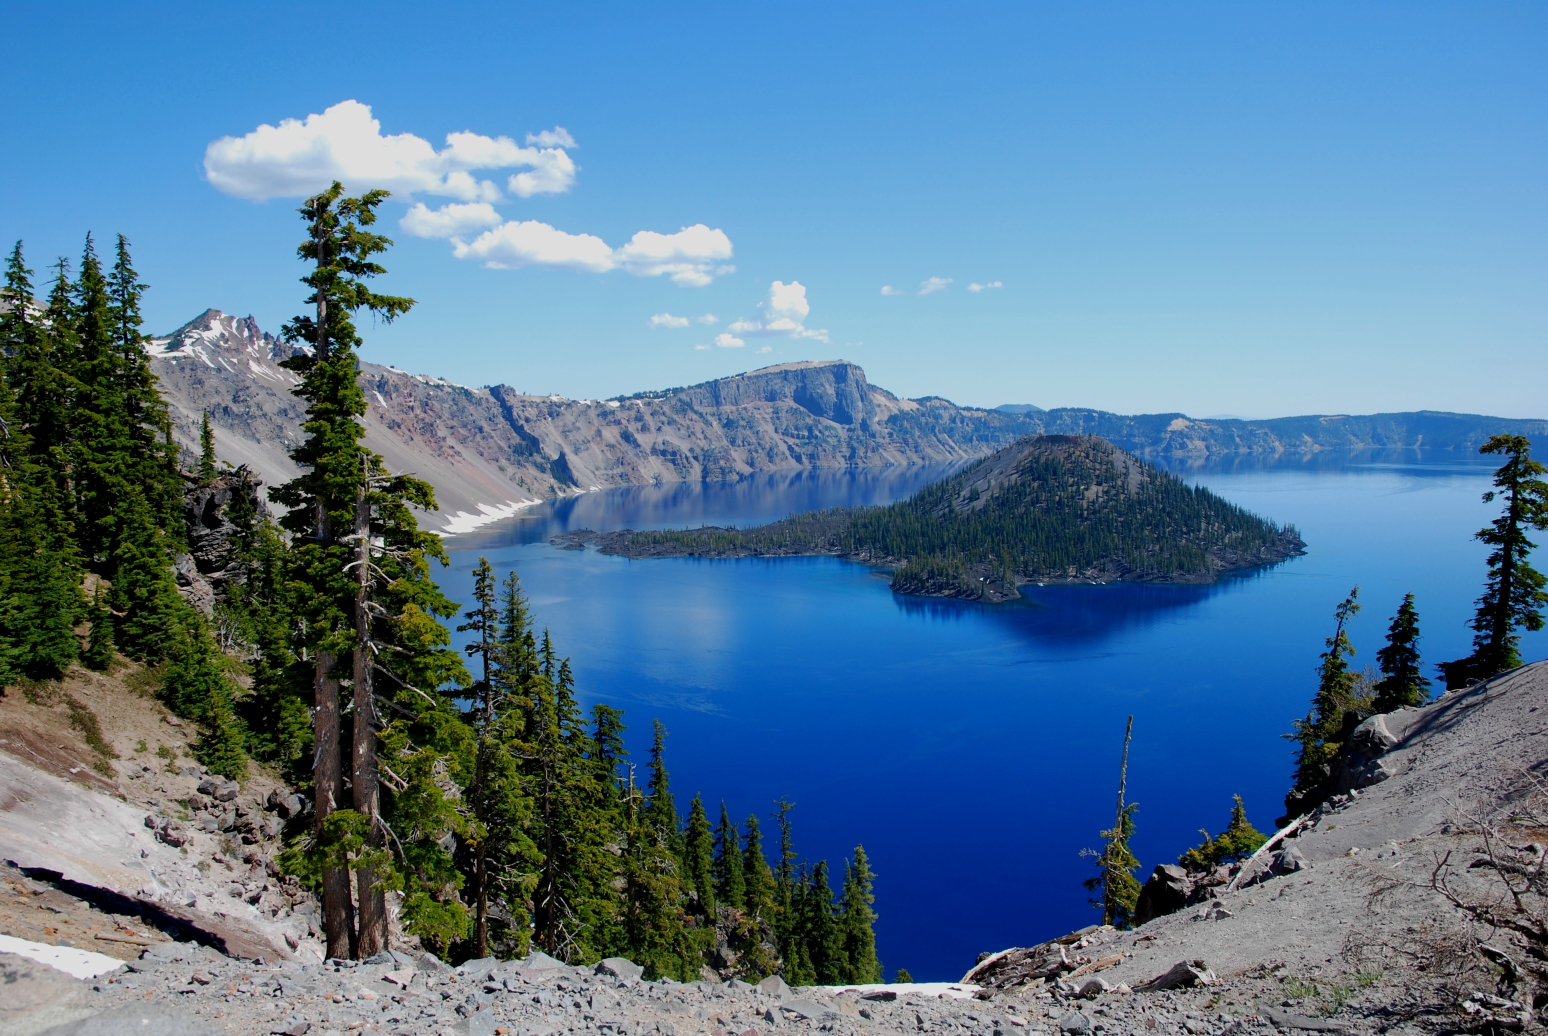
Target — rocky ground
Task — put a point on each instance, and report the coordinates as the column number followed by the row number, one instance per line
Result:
column 1407, row 905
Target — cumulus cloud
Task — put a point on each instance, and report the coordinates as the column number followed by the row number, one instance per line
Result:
column 781, row 315
column 888, row 289
column 556, row 137
column 708, row 318
column 975, row 287
column 692, row 257
column 766, row 349
column 530, row 243
column 932, row 285
column 300, row 157
column 726, row 341
column 701, row 348
column 452, row 220
column 667, row 320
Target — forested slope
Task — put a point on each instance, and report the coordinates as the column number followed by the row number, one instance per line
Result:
column 1048, row 508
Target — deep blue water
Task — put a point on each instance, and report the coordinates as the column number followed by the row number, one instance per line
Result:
column 974, row 749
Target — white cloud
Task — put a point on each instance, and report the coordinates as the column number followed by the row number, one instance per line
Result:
column 708, row 318
column 976, row 287
column 781, row 315
column 726, row 341
column 452, row 220
column 689, row 256
column 933, row 285
column 300, row 157
column 701, row 348
column 766, row 349
column 667, row 320
column 556, row 137
column 553, row 173
column 531, row 243
column 692, row 257
column 888, row 289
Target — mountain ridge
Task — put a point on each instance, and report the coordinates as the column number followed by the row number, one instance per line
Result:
column 492, row 450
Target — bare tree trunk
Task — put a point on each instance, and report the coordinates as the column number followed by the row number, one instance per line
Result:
column 328, row 777
column 373, row 902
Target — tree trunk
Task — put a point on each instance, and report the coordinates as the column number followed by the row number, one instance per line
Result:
column 373, row 902
column 328, row 778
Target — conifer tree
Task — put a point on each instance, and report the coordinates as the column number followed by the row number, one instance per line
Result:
column 730, row 886
column 99, row 642
column 1514, row 591
column 857, row 921
column 699, row 859
column 1237, row 842
column 1403, row 681
column 821, row 935
column 660, row 810
column 655, row 934
column 484, row 623
column 207, row 471
column 324, row 501
column 761, row 888
column 1116, row 863
column 1335, row 711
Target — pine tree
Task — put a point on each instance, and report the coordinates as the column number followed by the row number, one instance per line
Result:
column 857, row 921
column 99, row 642
column 1116, row 863
column 207, row 470
column 1237, row 842
column 730, row 886
column 325, row 506
column 655, row 934
column 699, row 860
column 1514, row 593
column 788, row 891
column 1403, row 681
column 761, row 890
column 821, row 936
column 1335, row 711
column 660, row 810
column 196, row 687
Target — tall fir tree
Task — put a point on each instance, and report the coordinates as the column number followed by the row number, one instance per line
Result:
column 1514, row 593
column 730, row 885
column 1336, row 709
column 324, row 500
column 699, row 860
column 857, row 921
column 762, row 891
column 207, row 469
column 1238, row 841
column 1403, row 682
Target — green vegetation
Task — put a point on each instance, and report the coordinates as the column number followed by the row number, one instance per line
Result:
column 1514, row 593
column 1236, row 843
column 1045, row 508
column 1403, row 682
column 505, row 817
column 1116, row 864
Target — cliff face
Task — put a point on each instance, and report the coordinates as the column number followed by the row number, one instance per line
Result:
column 490, row 450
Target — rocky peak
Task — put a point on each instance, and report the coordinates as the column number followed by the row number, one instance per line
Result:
column 835, row 390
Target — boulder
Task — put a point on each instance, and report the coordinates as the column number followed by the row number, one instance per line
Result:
column 775, row 986
column 1183, row 975
column 431, row 964
column 804, row 1008
column 1166, row 892
column 620, row 967
column 1076, row 1023
column 538, row 962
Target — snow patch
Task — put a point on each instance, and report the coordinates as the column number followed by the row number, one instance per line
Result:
column 82, row 964
column 462, row 521
column 950, row 990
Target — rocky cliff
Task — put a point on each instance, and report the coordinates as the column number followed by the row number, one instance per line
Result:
column 490, row 450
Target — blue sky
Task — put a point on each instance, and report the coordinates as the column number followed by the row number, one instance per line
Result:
column 1251, row 209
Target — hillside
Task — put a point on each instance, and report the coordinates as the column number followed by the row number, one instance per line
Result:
column 1389, row 914
column 1048, row 508
column 491, row 450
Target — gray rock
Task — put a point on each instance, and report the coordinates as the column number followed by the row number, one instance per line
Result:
column 1093, row 988
column 156, row 1019
column 227, row 792
column 804, row 1008
column 886, row 996
column 210, row 785
column 429, row 962
column 775, row 986
column 620, row 967
column 1286, row 1020
column 1076, row 1023
column 480, row 966
column 1183, row 975
column 483, row 1023
column 537, row 962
